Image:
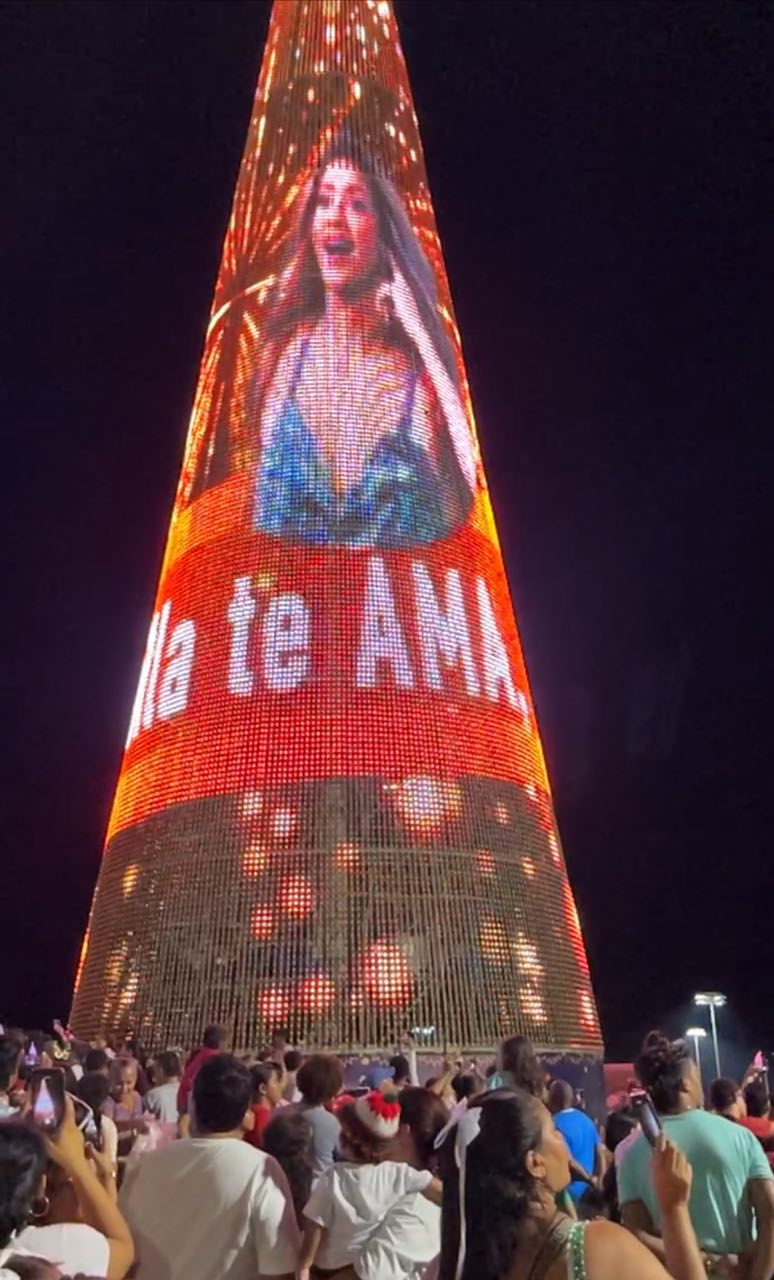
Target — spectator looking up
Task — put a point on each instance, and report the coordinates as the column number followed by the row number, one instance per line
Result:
column 354, row 1195
column 268, row 1081
column 210, row 1207
column 580, row 1134
column 756, row 1112
column 726, row 1098
column 293, row 1059
column 503, row 1165
column 161, row 1100
column 214, row 1041
column 319, row 1080
column 100, row 1244
column 732, row 1191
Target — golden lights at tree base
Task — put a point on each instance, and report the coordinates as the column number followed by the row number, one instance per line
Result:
column 333, row 812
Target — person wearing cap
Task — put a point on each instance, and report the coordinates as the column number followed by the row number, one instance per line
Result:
column 352, row 1197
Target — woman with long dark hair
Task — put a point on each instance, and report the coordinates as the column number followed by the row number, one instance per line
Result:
column 364, row 440
column 503, row 1164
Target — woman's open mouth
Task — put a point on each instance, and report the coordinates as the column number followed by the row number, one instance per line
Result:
column 341, row 247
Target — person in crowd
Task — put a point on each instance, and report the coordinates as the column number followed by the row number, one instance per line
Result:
column 580, row 1134
column 288, row 1138
column 401, row 1072
column 503, row 1165
column 9, row 1060
column 756, row 1110
column 621, row 1127
column 377, row 1076
column 124, row 1105
column 161, row 1100
column 408, row 1238
column 518, row 1067
column 214, row 1041
column 464, row 1086
column 98, row 1245
column 97, row 1061
column 319, row 1080
column 292, row 1059
column 268, row 1084
column 94, row 1090
column 355, row 1194
column 210, row 1207
column 132, row 1051
column 732, row 1200
column 726, row 1098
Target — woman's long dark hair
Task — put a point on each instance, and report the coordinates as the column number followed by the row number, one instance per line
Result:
column 299, row 294
column 499, row 1188
column 22, row 1165
column 288, row 1137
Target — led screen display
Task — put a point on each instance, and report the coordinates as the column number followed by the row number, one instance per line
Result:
column 333, row 811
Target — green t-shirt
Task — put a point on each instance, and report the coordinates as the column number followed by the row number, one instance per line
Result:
column 724, row 1157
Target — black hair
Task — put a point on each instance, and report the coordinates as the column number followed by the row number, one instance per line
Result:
column 319, row 1078
column 93, row 1089
column 214, row 1036
column 425, row 1115
column 522, row 1064
column 560, row 1096
column 222, row 1093
column 288, row 1137
column 400, row 1068
column 661, row 1068
column 293, row 1059
column 9, row 1057
column 722, row 1093
column 169, row 1063
column 464, row 1086
column 757, row 1098
column 96, row 1060
column 261, row 1074
column 619, row 1125
column 22, row 1165
column 499, row 1189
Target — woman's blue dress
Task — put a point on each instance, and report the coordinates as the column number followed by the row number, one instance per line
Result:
column 398, row 501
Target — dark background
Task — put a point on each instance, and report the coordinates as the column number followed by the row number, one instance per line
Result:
column 599, row 173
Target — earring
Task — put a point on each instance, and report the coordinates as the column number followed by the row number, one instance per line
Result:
column 40, row 1208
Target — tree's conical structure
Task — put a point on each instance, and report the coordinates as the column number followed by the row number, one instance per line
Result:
column 333, row 812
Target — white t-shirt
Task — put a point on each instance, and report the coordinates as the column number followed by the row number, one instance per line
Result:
column 210, row 1209
column 404, row 1243
column 73, row 1246
column 350, row 1200
column 162, row 1101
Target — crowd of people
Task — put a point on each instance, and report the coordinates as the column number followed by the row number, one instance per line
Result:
column 210, row 1164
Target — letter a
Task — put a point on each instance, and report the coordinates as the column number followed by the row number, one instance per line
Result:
column 443, row 630
column 381, row 639
column 497, row 669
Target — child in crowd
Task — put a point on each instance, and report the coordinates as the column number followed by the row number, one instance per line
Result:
column 357, row 1192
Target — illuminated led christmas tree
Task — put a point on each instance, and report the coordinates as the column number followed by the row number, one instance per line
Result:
column 333, row 811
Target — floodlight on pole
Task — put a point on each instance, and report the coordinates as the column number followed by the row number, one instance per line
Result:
column 712, row 1000
column 697, row 1034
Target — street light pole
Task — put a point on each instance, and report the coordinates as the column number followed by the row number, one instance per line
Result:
column 697, row 1034
column 712, row 1000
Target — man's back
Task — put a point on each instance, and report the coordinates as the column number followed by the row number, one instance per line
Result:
column 724, row 1158
column 162, row 1101
column 580, row 1134
column 210, row 1209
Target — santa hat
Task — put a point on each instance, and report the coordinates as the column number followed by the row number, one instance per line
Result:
column 379, row 1113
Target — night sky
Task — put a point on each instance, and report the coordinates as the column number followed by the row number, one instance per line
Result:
column 599, row 173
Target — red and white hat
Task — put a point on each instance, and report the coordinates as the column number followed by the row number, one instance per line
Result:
column 379, row 1113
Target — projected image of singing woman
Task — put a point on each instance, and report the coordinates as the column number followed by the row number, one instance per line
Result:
column 364, row 440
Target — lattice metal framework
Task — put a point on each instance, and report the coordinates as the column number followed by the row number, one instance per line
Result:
column 333, row 811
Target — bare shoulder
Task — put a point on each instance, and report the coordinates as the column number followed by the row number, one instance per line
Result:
column 612, row 1251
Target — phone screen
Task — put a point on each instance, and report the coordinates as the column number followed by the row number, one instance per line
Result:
column 649, row 1121
column 47, row 1097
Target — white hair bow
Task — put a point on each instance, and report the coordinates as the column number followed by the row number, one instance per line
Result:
column 467, row 1121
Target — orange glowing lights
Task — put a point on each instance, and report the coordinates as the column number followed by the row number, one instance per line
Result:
column 426, row 804
column 346, row 856
column 262, row 921
column 485, row 862
column 295, row 897
column 493, row 941
column 386, row 975
column 255, row 860
column 274, row 1004
column 130, row 878
column 316, row 993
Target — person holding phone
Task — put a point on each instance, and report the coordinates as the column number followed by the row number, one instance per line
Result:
column 503, row 1164
column 732, row 1201
column 100, row 1244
